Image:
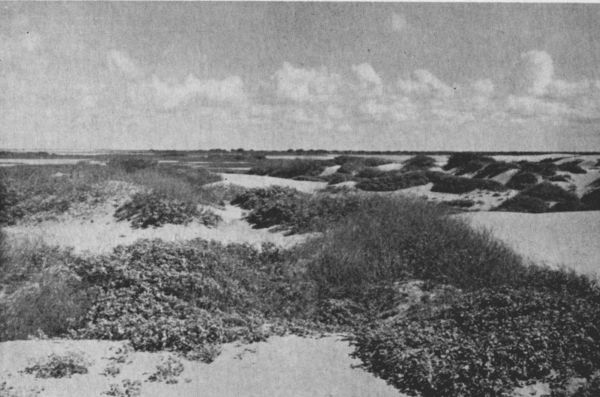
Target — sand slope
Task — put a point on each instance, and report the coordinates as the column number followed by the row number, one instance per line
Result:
column 287, row 366
column 561, row 238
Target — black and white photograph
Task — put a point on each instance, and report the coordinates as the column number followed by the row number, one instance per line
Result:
column 299, row 199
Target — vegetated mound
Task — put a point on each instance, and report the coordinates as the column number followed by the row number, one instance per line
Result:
column 353, row 164
column 494, row 169
column 186, row 297
column 291, row 168
column 522, row 180
column 420, row 162
column 572, row 167
column 153, row 209
column 295, row 211
column 468, row 162
column 592, row 199
column 542, row 197
column 544, row 168
column 458, row 185
column 391, row 181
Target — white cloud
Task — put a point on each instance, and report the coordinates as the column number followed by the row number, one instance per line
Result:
column 398, row 22
column 306, row 85
column 424, row 83
column 530, row 106
column 120, row 62
column 533, row 73
column 366, row 74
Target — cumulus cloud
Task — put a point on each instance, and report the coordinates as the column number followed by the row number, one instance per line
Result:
column 366, row 74
column 398, row 22
column 424, row 83
column 169, row 96
column 534, row 73
column 121, row 62
column 306, row 85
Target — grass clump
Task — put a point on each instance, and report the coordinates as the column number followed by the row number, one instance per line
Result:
column 467, row 162
column 544, row 168
column 524, row 203
column 420, row 162
column 494, row 169
column 152, row 209
column 572, row 167
column 130, row 164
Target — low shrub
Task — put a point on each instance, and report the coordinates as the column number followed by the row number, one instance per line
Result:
column 522, row 180
column 572, row 167
column 592, row 199
column 461, row 203
column 167, row 371
column 467, row 162
column 394, row 181
column 493, row 169
column 560, row 178
column 364, row 161
column 370, row 172
column 420, row 162
column 550, row 192
column 131, row 164
column 458, row 185
column 524, row 203
column 290, row 168
column 59, row 366
column 543, row 168
column 339, row 178
column 486, row 343
column 152, row 209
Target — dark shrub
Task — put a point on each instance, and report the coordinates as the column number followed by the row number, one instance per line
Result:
column 459, row 203
column 131, row 164
column 545, row 169
column 308, row 178
column 524, row 203
column 363, row 161
column 418, row 163
column 592, row 199
column 290, row 168
column 338, row 178
column 394, row 181
column 457, row 185
column 370, row 172
column 550, row 192
column 59, row 366
column 152, row 209
column 486, row 344
column 572, row 167
column 522, row 180
column 494, row 169
column 467, row 162
column 560, row 178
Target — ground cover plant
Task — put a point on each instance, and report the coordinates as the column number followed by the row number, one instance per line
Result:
column 59, row 366
column 458, row 185
column 542, row 197
column 522, row 180
column 290, row 168
column 467, row 162
column 391, row 181
column 496, row 168
column 572, row 167
column 418, row 163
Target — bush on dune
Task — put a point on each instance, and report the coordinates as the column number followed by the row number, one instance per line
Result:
column 131, row 164
column 522, row 180
column 572, row 167
column 467, row 162
column 543, row 168
column 592, row 199
column 458, row 185
column 494, row 169
column 290, row 168
column 524, row 203
column 420, row 162
column 394, row 181
column 537, row 199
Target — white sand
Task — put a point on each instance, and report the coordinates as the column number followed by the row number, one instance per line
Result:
column 389, row 167
column 557, row 239
column 100, row 232
column 330, row 170
column 260, row 181
column 287, row 366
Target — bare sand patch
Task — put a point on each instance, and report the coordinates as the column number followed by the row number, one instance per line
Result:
column 260, row 181
column 567, row 239
column 288, row 366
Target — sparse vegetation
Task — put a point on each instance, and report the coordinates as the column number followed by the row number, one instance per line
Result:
column 419, row 162
column 59, row 366
column 524, row 203
column 394, row 181
column 458, row 185
column 522, row 180
column 572, row 167
column 290, row 168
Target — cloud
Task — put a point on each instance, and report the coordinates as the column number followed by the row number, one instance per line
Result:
column 398, row 22
column 530, row 106
column 306, row 85
column 366, row 74
column 424, row 83
column 229, row 90
column 533, row 73
column 120, row 62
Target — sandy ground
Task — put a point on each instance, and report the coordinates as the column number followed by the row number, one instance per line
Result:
column 567, row 239
column 99, row 232
column 287, row 366
column 259, row 181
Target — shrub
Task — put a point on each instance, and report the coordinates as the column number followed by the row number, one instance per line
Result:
column 467, row 162
column 486, row 343
column 394, row 181
column 152, row 209
column 560, row 178
column 167, row 371
column 59, row 366
column 461, row 203
column 493, row 169
column 458, row 185
column 290, row 168
column 592, row 199
column 352, row 164
column 131, row 164
column 543, row 168
column 524, row 203
column 572, row 167
column 522, row 180
column 550, row 192
column 370, row 172
column 339, row 178
column 420, row 162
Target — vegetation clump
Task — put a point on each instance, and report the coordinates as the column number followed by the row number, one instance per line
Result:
column 494, row 169
column 152, row 209
column 391, row 181
column 458, row 185
column 572, row 167
column 131, row 164
column 522, row 180
column 59, row 366
column 420, row 162
column 591, row 199
column 290, row 168
column 467, row 162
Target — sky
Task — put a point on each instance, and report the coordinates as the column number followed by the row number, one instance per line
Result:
column 368, row 76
